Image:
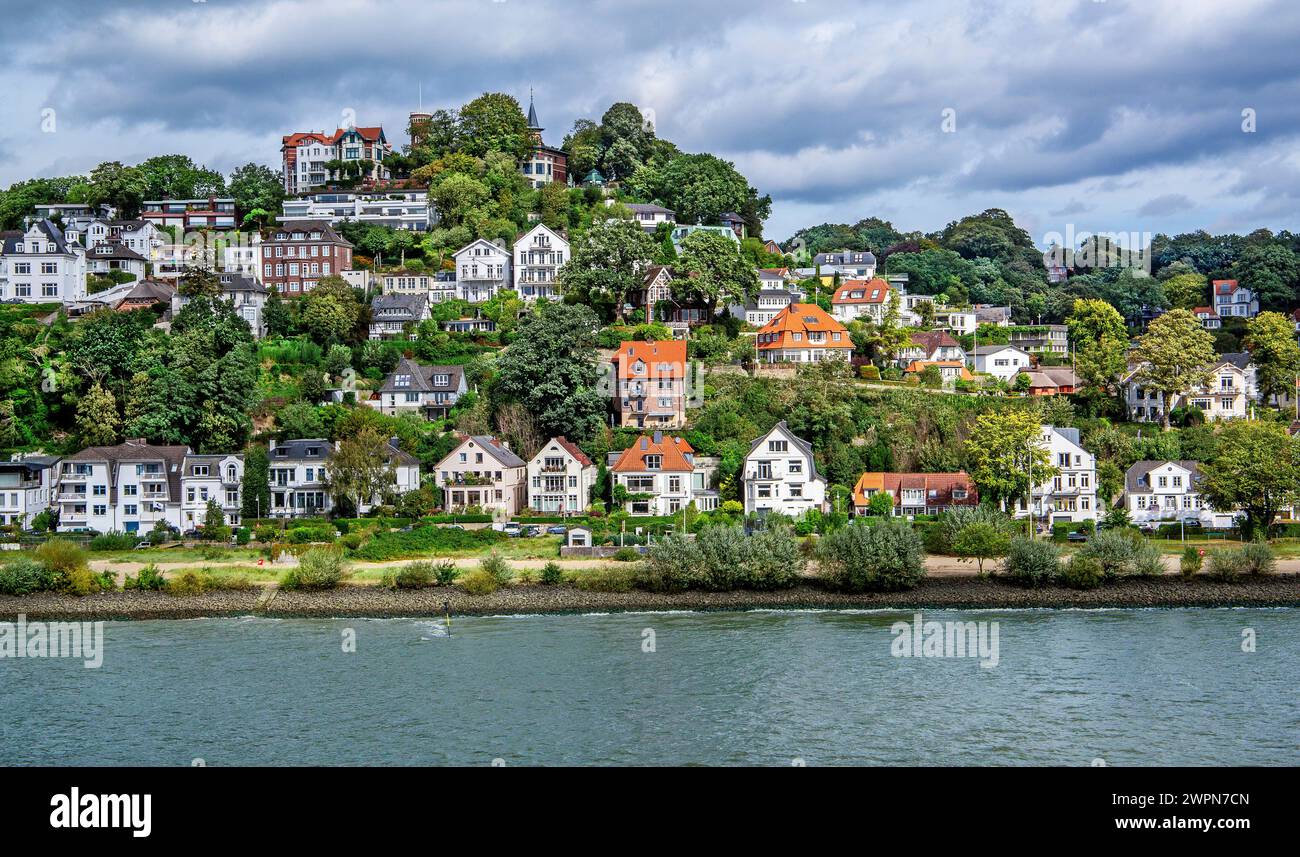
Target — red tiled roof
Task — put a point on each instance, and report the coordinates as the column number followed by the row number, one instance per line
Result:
column 671, row 449
column 1225, row 287
column 940, row 483
column 572, row 448
column 802, row 319
column 670, row 354
column 875, row 291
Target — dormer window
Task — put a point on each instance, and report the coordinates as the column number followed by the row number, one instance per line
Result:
column 653, row 462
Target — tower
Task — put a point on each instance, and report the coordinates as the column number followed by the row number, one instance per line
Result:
column 534, row 127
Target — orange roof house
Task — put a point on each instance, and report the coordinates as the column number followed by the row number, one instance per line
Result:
column 650, row 379
column 949, row 370
column 859, row 298
column 803, row 333
column 657, row 453
column 916, row 493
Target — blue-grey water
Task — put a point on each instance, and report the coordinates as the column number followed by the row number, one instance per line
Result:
column 1128, row 687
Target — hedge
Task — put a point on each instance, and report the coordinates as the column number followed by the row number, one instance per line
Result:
column 425, row 541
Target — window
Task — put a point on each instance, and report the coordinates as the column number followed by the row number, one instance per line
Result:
column 777, row 446
column 653, row 462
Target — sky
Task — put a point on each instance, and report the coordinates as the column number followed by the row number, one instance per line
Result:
column 1111, row 116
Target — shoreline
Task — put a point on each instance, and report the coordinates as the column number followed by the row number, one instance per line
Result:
column 935, row 593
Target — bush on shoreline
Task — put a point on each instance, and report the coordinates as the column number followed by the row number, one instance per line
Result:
column 318, row 568
column 722, row 558
column 885, row 557
column 1032, row 562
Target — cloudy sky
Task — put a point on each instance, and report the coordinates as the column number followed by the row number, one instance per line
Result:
column 1119, row 115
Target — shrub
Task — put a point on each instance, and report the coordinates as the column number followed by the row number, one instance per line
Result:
column 445, row 572
column 1123, row 553
column 1032, row 562
column 979, row 541
column 188, row 582
column 1227, row 565
column 105, row 581
column 113, row 541
column 423, row 541
column 149, row 578
column 627, row 555
column 941, row 537
column 607, row 578
column 1259, row 558
column 307, row 535
column 79, row 581
column 887, row 556
column 24, row 576
column 318, row 568
column 496, row 566
column 552, row 574
column 773, row 559
column 352, row 541
column 415, row 575
column 243, row 536
column 60, row 556
column 673, row 563
column 265, row 533
column 526, row 576
column 1082, row 572
column 725, row 550
column 479, row 582
column 1190, row 562
column 1147, row 560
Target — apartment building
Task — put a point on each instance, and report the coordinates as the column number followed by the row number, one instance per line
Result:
column 130, row 487
column 482, row 472
column 298, row 254
column 397, row 316
column 650, row 381
column 561, row 478
column 482, row 270
column 1224, row 397
column 38, row 265
column 396, row 208
column 211, row 478
column 299, row 477
column 538, row 255
column 191, row 214
column 306, row 157
column 916, row 493
column 780, row 475
column 27, row 487
column 803, row 333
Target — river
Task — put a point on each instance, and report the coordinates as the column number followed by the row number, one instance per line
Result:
column 1070, row 687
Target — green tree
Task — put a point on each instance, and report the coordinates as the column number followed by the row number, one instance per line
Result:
column 257, row 188
column 1256, row 469
column 710, row 270
column 1005, row 456
column 255, row 498
column 607, row 262
column 1272, row 271
column 1100, row 343
column 97, row 419
column 979, row 541
column 701, row 187
column 1270, row 337
column 550, row 369
column 119, row 186
column 178, row 177
column 360, row 470
column 1176, row 353
column 1187, row 290
column 493, row 122
column 277, row 315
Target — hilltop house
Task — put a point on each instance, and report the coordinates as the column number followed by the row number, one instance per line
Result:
column 854, row 299
column 244, row 293
column 1209, row 318
column 561, row 478
column 661, row 475
column 1001, row 361
column 846, row 263
column 482, row 472
column 1233, row 300
column 1169, row 491
column 803, row 333
column 780, row 475
column 916, row 493
column 482, row 270
column 397, row 315
column 931, row 346
column 1041, row 339
column 414, row 388
column 1224, row 397
column 538, row 256
column 650, row 379
column 656, row 286
column 649, row 216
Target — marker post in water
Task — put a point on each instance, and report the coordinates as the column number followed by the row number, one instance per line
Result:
column 446, row 612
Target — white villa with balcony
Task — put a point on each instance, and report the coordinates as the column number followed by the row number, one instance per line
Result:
column 482, row 270
column 1169, row 491
column 538, row 256
column 560, row 479
column 1071, row 495
column 1224, row 397
column 207, row 478
column 128, row 488
column 482, row 472
column 781, row 476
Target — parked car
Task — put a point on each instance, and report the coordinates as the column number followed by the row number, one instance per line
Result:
column 192, row 534
column 1148, row 526
column 143, row 545
column 1076, row 536
column 533, row 530
column 511, row 528
column 557, row 530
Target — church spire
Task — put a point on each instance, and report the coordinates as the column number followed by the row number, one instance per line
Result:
column 533, row 124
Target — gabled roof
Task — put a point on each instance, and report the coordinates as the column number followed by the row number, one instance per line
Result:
column 1240, row 359
column 486, row 243
column 922, row 365
column 983, row 350
column 936, row 488
column 138, row 449
column 1224, row 287
column 648, row 208
column 411, row 377
column 651, row 273
column 1136, row 478
column 328, row 232
column 492, row 447
column 933, row 340
column 676, row 455
column 115, row 250
column 802, row 319
column 10, row 239
column 398, row 307
column 662, row 359
column 310, row 449
column 802, row 445
column 873, row 291
column 568, row 446
column 845, row 257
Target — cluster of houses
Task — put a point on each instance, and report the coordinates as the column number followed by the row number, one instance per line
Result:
column 135, row 486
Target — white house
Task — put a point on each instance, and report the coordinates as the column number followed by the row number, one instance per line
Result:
column 661, row 475
column 764, row 307
column 847, row 263
column 26, row 487
column 482, row 270
column 1000, row 361
column 1224, row 397
column 781, row 476
column 299, row 477
column 1233, row 300
column 397, row 316
column 128, row 488
column 1169, row 491
column 395, row 208
column 538, row 255
column 560, row 478
column 40, row 266
column 415, row 388
column 854, row 299
column 210, row 477
column 648, row 216
column 1071, row 495
column 482, row 472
